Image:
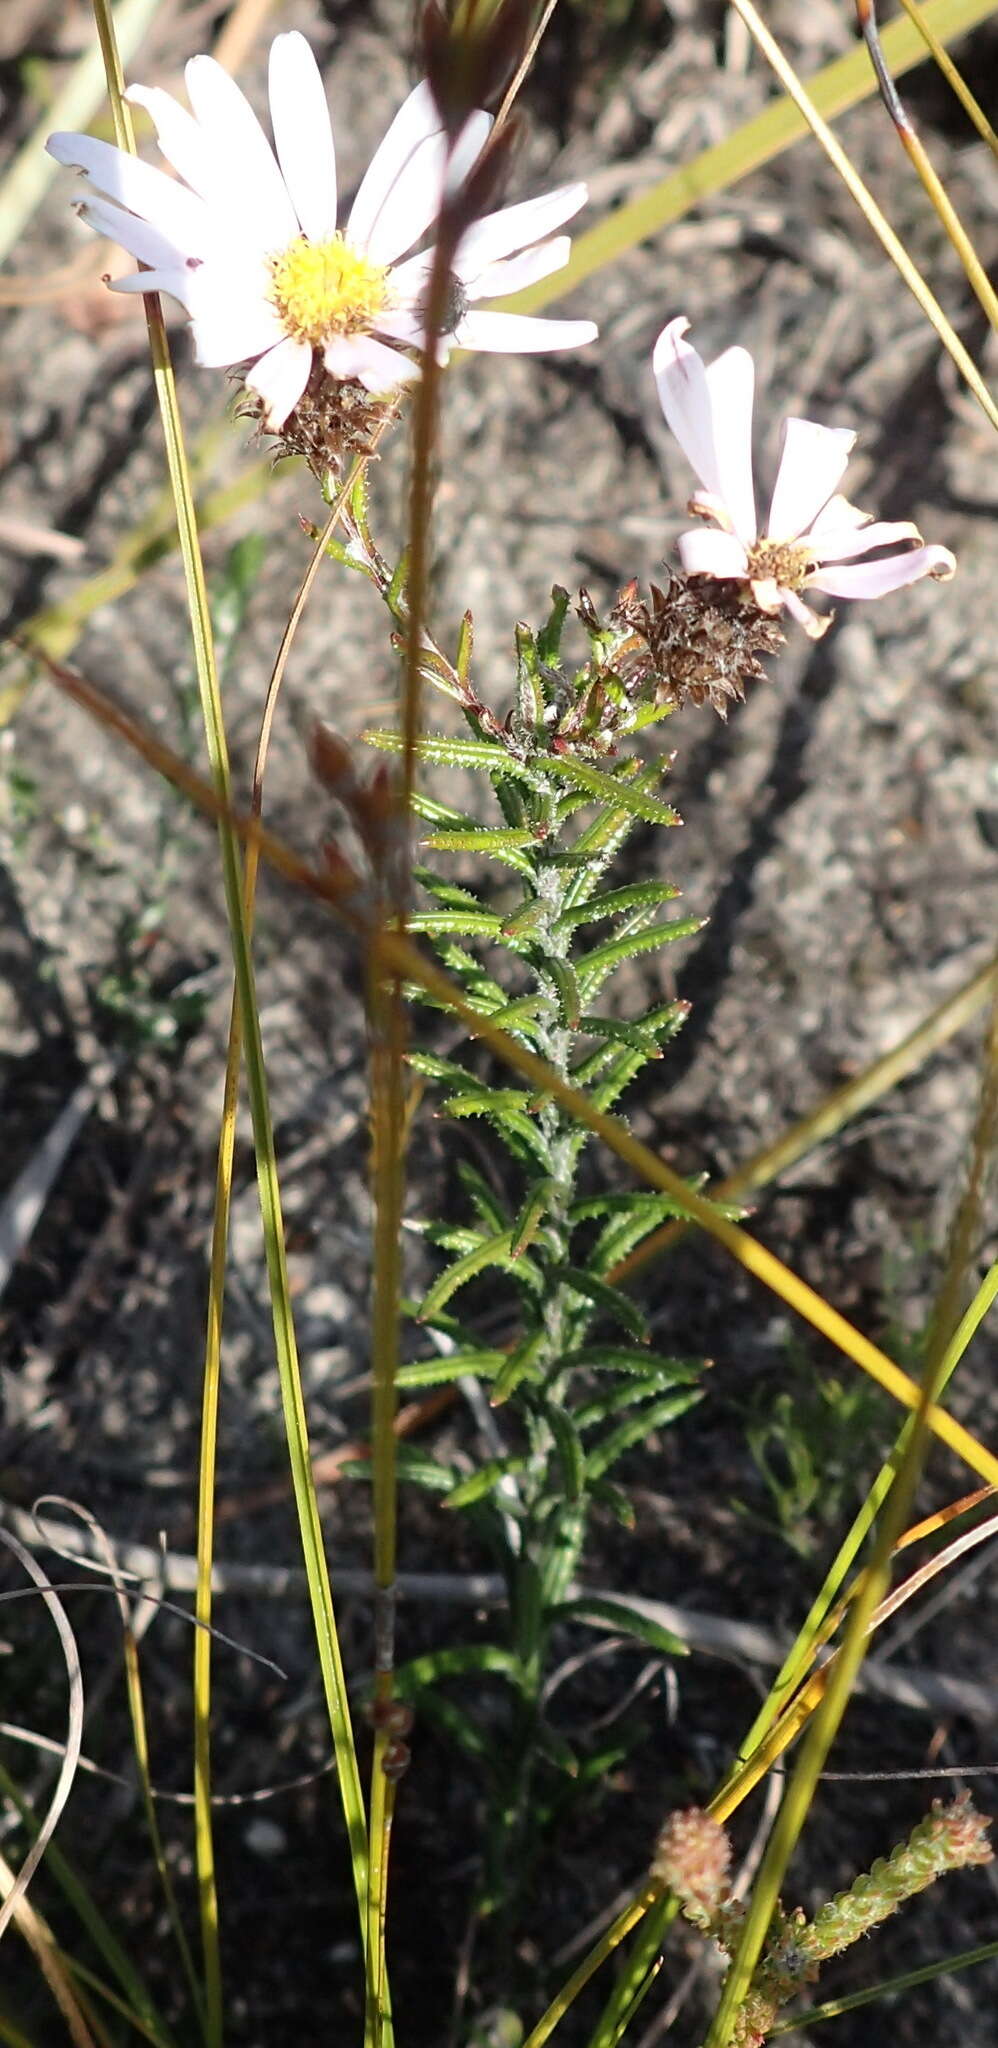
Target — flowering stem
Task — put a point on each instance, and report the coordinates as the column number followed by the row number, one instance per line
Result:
column 203, row 1829
column 589, row 1965
column 270, row 1200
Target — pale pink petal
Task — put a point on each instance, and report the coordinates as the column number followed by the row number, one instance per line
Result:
column 410, row 279
column 731, row 385
column 412, row 204
column 404, row 323
column 167, row 206
column 243, row 148
column 467, row 149
column 417, row 121
column 703, row 552
column 280, row 377
column 815, row 624
column 843, row 545
column 175, row 282
column 813, row 461
column 181, row 139
column 303, row 135
column 716, row 443
column 361, row 357
column 228, row 329
column 875, row 579
column 519, row 334
column 515, row 227
column 143, row 242
column 838, row 516
column 497, row 280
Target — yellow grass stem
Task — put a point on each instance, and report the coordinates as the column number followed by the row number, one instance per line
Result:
column 890, row 1987
column 618, row 1932
column 203, row 1817
column 889, row 241
column 919, row 17
column 838, row 1109
column 835, row 89
column 868, row 1596
column 918, row 155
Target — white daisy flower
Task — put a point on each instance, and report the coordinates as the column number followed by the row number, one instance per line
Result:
column 810, row 530
column 248, row 241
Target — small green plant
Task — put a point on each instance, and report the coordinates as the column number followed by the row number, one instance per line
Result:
column 572, row 1378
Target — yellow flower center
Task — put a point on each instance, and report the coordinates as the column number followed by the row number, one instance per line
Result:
column 786, row 562
column 324, row 288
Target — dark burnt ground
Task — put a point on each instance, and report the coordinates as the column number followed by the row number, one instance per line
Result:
column 839, row 836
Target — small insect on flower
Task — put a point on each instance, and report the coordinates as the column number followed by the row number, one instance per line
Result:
column 247, row 240
column 811, row 532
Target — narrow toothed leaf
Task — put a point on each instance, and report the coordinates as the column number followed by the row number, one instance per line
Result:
column 637, row 1429
column 616, row 1031
column 496, row 1251
column 610, row 789
column 488, row 1204
column 484, row 1481
column 594, row 967
column 568, row 1445
column 465, row 648
column 466, row 923
column 569, row 999
column 420, row 1672
column 520, row 1365
column 607, row 1299
column 502, row 843
column 437, row 1372
column 645, row 1364
column 596, row 1612
column 549, row 637
column 638, row 896
column 533, row 1212
column 453, row 753
column 529, row 916
column 395, row 595
column 529, row 685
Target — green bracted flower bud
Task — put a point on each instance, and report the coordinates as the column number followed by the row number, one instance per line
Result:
column 947, row 1839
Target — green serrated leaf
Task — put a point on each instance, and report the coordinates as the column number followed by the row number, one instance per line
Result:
column 549, row 637
column 465, row 647
column 596, row 1612
column 488, row 1204
column 608, row 1300
column 637, row 1429
column 562, row 975
column 555, row 1750
column 437, row 1372
column 519, row 1365
column 527, row 917
column 618, row 1503
column 466, row 923
column 594, row 967
column 568, row 1445
column 532, row 1213
column 637, row 896
column 617, row 1031
column 610, row 789
column 497, row 842
column 495, row 1251
column 617, row 1358
column 421, row 1672
column 449, row 752
column 484, row 1481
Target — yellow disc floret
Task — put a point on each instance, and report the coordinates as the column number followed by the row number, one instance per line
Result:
column 322, row 289
column 786, row 563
